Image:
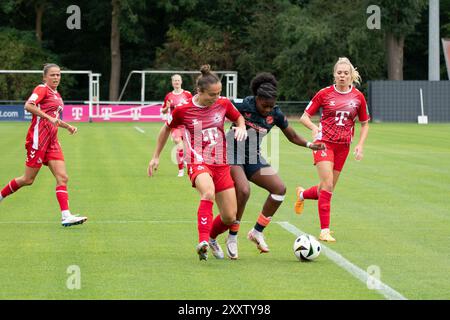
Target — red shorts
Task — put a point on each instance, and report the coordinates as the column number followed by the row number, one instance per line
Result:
column 37, row 158
column 334, row 152
column 177, row 132
column 220, row 174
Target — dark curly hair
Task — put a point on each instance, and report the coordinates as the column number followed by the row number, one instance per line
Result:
column 264, row 85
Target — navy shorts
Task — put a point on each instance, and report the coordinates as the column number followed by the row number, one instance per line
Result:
column 251, row 169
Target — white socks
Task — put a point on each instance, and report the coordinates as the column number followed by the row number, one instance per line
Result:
column 65, row 214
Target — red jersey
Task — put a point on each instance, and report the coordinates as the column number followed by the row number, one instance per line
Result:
column 177, row 99
column 204, row 134
column 42, row 131
column 339, row 111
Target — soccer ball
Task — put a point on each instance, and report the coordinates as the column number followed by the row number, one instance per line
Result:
column 306, row 247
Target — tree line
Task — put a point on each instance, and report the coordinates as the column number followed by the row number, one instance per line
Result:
column 297, row 40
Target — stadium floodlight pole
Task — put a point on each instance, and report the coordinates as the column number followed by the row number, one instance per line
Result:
column 433, row 40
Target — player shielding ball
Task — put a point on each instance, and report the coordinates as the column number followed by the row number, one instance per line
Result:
column 341, row 103
column 42, row 143
column 176, row 97
column 261, row 114
column 203, row 118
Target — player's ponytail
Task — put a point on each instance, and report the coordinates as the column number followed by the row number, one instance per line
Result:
column 356, row 78
column 207, row 78
column 264, row 85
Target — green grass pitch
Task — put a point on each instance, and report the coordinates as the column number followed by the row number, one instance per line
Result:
column 390, row 210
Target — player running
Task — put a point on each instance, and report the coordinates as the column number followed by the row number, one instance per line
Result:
column 42, row 143
column 203, row 118
column 261, row 114
column 176, row 97
column 341, row 103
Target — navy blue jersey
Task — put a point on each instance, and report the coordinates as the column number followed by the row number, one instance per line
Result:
column 258, row 126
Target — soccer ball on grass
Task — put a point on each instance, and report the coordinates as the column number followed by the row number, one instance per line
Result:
column 306, row 247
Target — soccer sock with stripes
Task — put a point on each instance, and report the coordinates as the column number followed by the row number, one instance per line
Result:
column 218, row 227
column 204, row 219
column 311, row 193
column 262, row 222
column 324, row 204
column 63, row 199
column 234, row 229
column 10, row 188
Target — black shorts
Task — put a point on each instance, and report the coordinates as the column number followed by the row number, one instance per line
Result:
column 251, row 169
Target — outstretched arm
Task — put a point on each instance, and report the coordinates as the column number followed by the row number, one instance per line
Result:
column 240, row 131
column 306, row 121
column 161, row 142
column 295, row 138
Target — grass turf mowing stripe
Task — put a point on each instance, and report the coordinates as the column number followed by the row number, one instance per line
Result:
column 355, row 271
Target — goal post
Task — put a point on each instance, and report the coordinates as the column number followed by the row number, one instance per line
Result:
column 230, row 78
column 93, row 78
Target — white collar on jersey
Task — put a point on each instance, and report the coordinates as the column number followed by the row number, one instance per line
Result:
column 343, row 92
column 54, row 91
column 173, row 91
column 194, row 102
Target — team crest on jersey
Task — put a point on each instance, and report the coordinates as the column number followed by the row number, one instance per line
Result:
column 332, row 103
column 247, row 114
column 217, row 117
column 269, row 120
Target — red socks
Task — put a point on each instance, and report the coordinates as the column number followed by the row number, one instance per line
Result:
column 204, row 221
column 180, row 159
column 324, row 208
column 11, row 187
column 63, row 197
column 311, row 193
column 218, row 227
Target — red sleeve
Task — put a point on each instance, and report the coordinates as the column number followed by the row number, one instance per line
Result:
column 363, row 112
column 188, row 94
column 165, row 100
column 232, row 113
column 175, row 119
column 314, row 104
column 38, row 95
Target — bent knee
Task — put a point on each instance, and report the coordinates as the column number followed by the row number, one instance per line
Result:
column 208, row 195
column 279, row 190
column 228, row 220
column 327, row 186
column 243, row 193
column 27, row 181
column 62, row 179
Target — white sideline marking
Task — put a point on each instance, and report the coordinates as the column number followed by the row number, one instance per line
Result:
column 139, row 129
column 355, row 271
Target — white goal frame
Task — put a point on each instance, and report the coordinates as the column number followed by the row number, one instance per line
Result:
column 231, row 79
column 94, row 82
